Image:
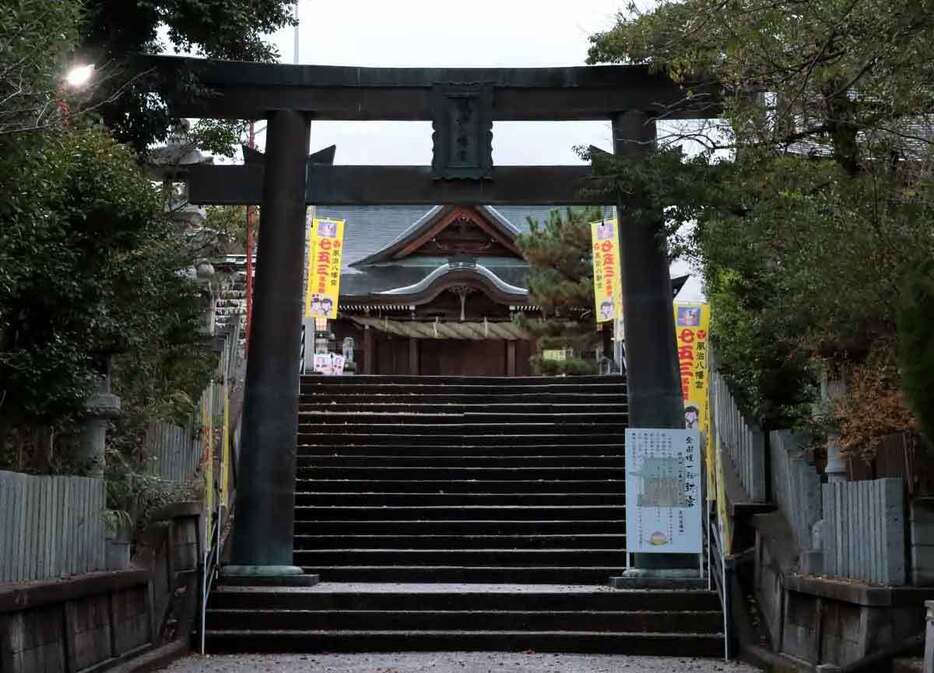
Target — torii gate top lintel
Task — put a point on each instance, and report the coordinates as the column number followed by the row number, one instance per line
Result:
column 246, row 90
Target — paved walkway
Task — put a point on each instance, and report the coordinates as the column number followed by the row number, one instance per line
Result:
column 451, row 662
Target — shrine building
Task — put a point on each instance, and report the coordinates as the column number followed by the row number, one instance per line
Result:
column 435, row 291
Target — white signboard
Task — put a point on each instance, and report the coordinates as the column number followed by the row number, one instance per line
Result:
column 663, row 491
column 329, row 364
column 322, row 364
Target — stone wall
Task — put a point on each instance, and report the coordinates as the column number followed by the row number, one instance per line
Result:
column 98, row 620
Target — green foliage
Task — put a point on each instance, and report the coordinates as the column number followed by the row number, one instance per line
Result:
column 226, row 29
column 88, row 265
column 561, row 282
column 834, row 73
column 560, row 261
column 36, row 37
column 133, row 496
column 916, row 346
column 569, row 367
column 808, row 206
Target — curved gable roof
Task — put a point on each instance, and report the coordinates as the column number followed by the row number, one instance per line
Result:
column 435, row 221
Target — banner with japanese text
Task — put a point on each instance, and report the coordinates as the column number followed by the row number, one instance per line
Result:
column 663, row 491
column 326, row 243
column 607, row 275
column 692, row 330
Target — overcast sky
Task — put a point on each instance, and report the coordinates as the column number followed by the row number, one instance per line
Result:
column 419, row 33
column 439, row 33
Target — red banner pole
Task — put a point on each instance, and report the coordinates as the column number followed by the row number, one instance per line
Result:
column 249, row 253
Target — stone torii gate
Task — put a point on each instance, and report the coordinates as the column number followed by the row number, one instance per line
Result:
column 462, row 104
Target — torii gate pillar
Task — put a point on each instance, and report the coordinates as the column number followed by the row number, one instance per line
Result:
column 262, row 545
column 652, row 374
column 652, row 370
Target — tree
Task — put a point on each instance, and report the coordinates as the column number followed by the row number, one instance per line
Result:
column 115, row 30
column 810, row 201
column 36, row 39
column 561, row 282
column 89, row 264
column 916, row 345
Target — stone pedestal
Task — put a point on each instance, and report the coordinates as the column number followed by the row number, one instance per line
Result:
column 659, row 578
column 267, row 576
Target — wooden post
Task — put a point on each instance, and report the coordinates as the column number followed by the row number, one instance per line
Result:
column 510, row 357
column 369, row 350
column 413, row 356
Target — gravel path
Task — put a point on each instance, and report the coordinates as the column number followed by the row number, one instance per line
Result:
column 450, row 662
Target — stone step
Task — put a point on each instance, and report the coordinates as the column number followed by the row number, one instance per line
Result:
column 464, row 449
column 328, row 418
column 684, row 645
column 476, row 381
column 360, row 426
column 400, row 486
column 344, row 439
column 393, row 556
column 450, row 397
column 469, row 512
column 431, row 408
column 522, row 597
column 403, row 389
column 709, row 622
column 456, row 499
column 347, row 541
column 308, row 525
column 422, row 574
column 342, row 460
column 470, row 473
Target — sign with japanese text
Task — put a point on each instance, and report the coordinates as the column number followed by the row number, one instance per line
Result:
column 663, row 491
column 328, row 364
column 607, row 275
column 326, row 243
column 692, row 332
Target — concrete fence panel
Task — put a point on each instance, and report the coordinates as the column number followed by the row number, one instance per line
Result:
column 172, row 452
column 864, row 531
column 50, row 526
column 743, row 441
column 796, row 485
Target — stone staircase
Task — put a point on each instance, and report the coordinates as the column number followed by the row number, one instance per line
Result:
column 462, row 514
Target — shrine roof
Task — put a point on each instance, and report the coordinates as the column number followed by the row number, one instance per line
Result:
column 371, row 230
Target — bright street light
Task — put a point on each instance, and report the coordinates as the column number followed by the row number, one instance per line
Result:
column 79, row 76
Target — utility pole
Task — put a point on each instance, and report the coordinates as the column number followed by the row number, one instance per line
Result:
column 295, row 51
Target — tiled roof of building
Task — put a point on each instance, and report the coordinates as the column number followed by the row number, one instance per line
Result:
column 369, row 229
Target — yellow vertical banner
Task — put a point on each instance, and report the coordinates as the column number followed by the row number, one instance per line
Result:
column 225, row 453
column 326, row 244
column 607, row 275
column 692, row 330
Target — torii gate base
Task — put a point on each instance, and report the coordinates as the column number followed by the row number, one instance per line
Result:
column 462, row 104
